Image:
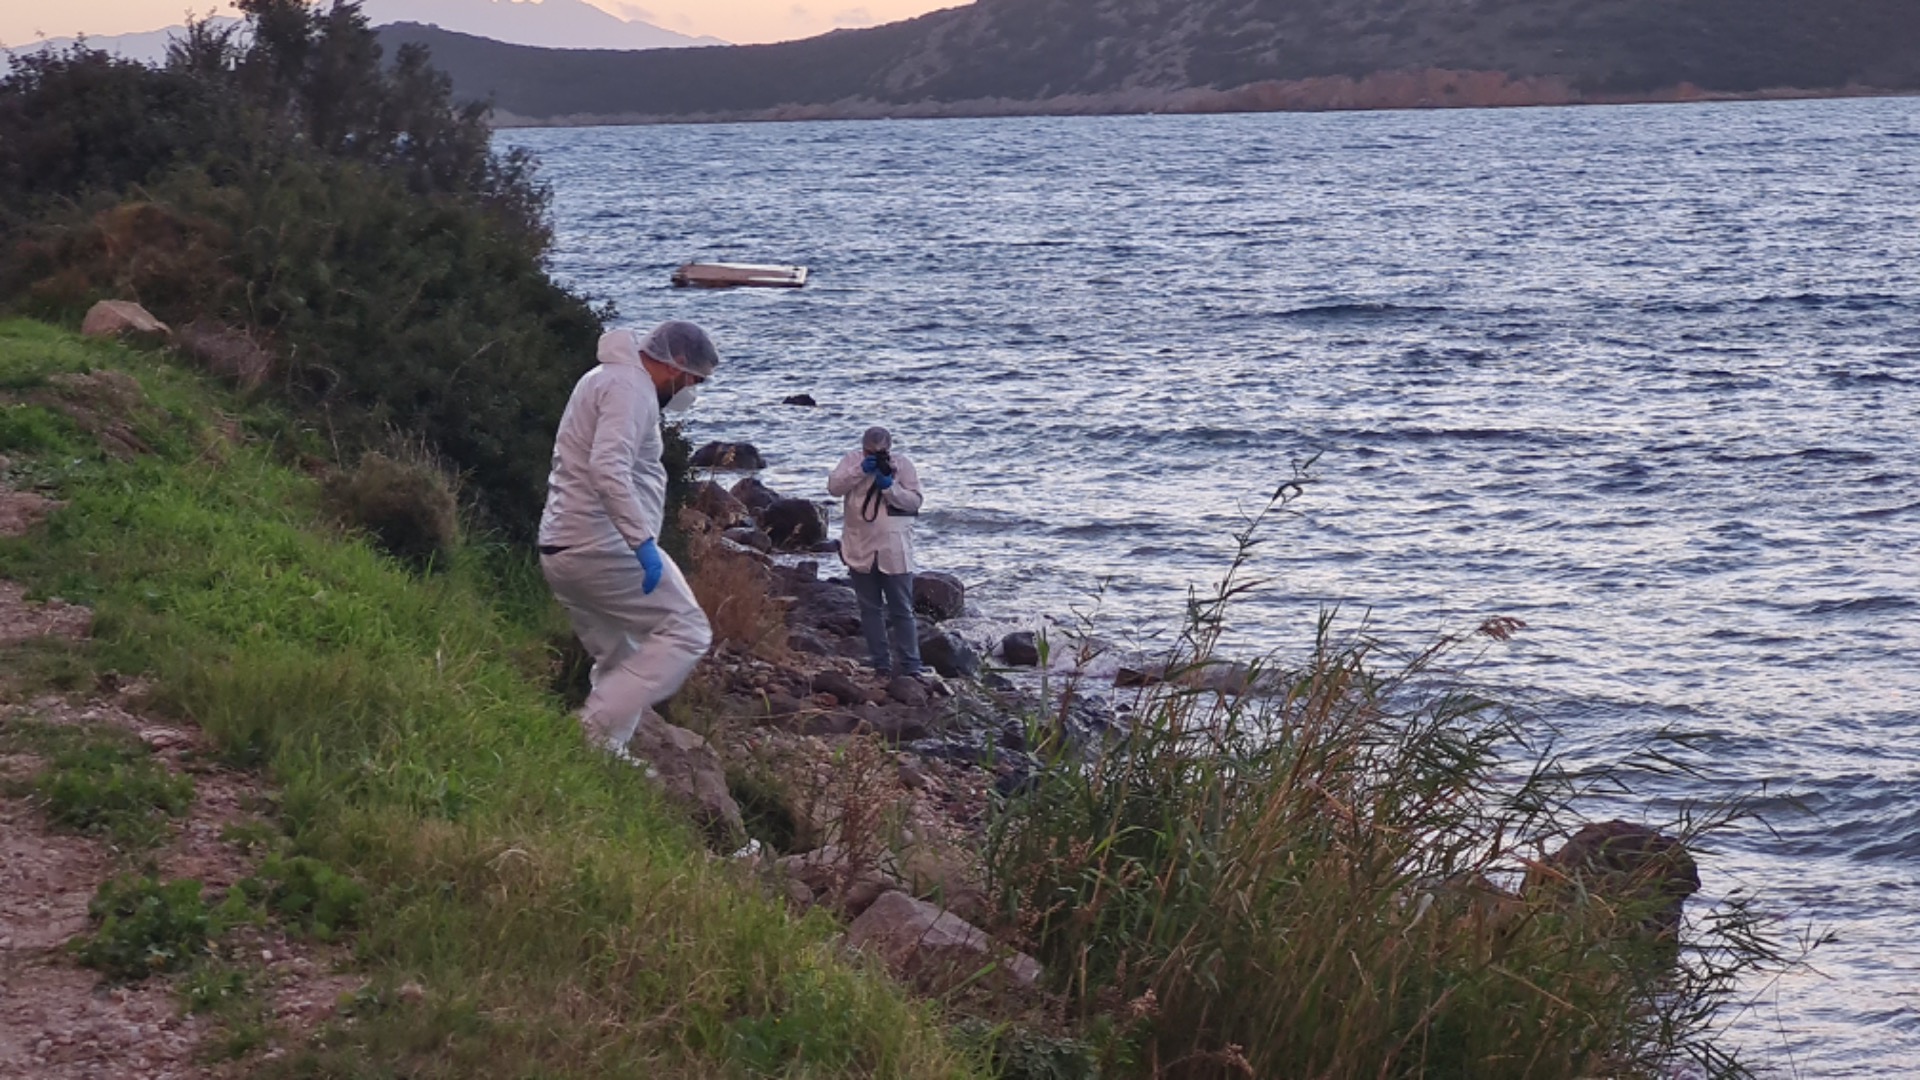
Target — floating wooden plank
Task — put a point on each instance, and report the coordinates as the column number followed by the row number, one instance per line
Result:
column 734, row 275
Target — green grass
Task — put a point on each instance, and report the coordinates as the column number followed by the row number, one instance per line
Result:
column 562, row 921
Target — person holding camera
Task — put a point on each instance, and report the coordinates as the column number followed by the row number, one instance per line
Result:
column 882, row 492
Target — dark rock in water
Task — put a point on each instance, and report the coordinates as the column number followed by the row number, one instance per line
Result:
column 826, row 547
column 842, row 687
column 939, row 595
column 803, row 400
column 750, row 538
column 1013, row 736
column 1127, row 676
column 728, row 455
column 713, row 500
column 756, row 495
column 995, row 681
column 947, row 654
column 1631, row 867
column 1013, row 783
column 1020, row 649
column 794, row 524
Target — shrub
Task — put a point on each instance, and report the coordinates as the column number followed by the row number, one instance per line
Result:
column 1302, row 881
column 408, row 508
column 145, row 927
column 115, row 789
column 308, row 894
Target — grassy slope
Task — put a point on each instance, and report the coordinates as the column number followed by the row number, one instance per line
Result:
column 562, row 922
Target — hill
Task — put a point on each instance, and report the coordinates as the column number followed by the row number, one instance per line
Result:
column 1134, row 55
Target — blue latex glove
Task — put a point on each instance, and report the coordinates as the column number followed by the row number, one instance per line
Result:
column 883, row 482
column 651, row 562
column 869, row 465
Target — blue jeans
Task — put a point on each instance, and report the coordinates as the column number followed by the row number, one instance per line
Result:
column 886, row 615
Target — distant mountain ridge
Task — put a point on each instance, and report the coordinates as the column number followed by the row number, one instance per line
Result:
column 551, row 24
column 1133, row 55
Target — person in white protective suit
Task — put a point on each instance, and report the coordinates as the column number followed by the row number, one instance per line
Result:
column 883, row 497
column 599, row 537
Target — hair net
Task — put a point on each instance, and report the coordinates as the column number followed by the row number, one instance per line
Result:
column 682, row 345
column 875, row 440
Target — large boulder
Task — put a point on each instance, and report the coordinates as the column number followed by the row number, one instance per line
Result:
column 121, row 318
column 939, row 595
column 947, row 653
column 934, row 947
column 756, row 495
column 794, row 524
column 1636, row 870
column 717, row 504
column 728, row 455
column 692, row 775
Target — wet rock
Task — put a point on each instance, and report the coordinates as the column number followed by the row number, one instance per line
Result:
column 121, row 318
column 1021, row 649
column 939, row 595
column 750, row 538
column 826, row 547
column 728, row 455
column 934, row 948
column 803, row 400
column 714, row 501
column 794, row 524
column 690, row 772
column 947, row 653
column 1638, row 870
column 755, row 495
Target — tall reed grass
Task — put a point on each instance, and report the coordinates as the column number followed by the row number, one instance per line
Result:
column 1305, row 880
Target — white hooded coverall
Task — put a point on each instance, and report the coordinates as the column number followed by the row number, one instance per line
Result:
column 606, row 495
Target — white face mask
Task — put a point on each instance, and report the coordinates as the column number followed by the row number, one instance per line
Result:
column 682, row 401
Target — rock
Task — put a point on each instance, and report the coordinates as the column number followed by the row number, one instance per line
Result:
column 714, row 501
column 1134, row 677
column 830, row 879
column 728, row 455
column 939, row 595
column 756, row 495
column 825, row 547
column 751, row 538
column 230, row 354
column 825, row 723
column 943, row 875
column 825, row 607
column 120, row 318
column 907, row 690
column 1021, row 649
column 691, row 774
column 1633, row 867
column 794, row 524
column 5, row 463
column 803, row 640
column 802, row 400
column 842, row 687
column 934, row 948
column 947, row 654
column 897, row 725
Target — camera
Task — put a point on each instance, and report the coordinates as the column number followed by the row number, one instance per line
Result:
column 883, row 462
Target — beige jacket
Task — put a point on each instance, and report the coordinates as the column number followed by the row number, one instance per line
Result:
column 885, row 543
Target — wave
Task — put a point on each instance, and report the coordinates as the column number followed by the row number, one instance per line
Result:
column 1862, row 605
column 1358, row 310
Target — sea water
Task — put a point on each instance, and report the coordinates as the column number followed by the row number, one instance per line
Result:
column 1647, row 378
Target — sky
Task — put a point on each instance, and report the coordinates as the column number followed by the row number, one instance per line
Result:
column 740, row 21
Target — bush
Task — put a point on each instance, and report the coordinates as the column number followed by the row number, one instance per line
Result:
column 1302, row 881
column 145, row 927
column 308, row 894
column 114, row 789
column 408, row 508
column 339, row 207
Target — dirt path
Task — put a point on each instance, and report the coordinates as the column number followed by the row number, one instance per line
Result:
column 60, row 1021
